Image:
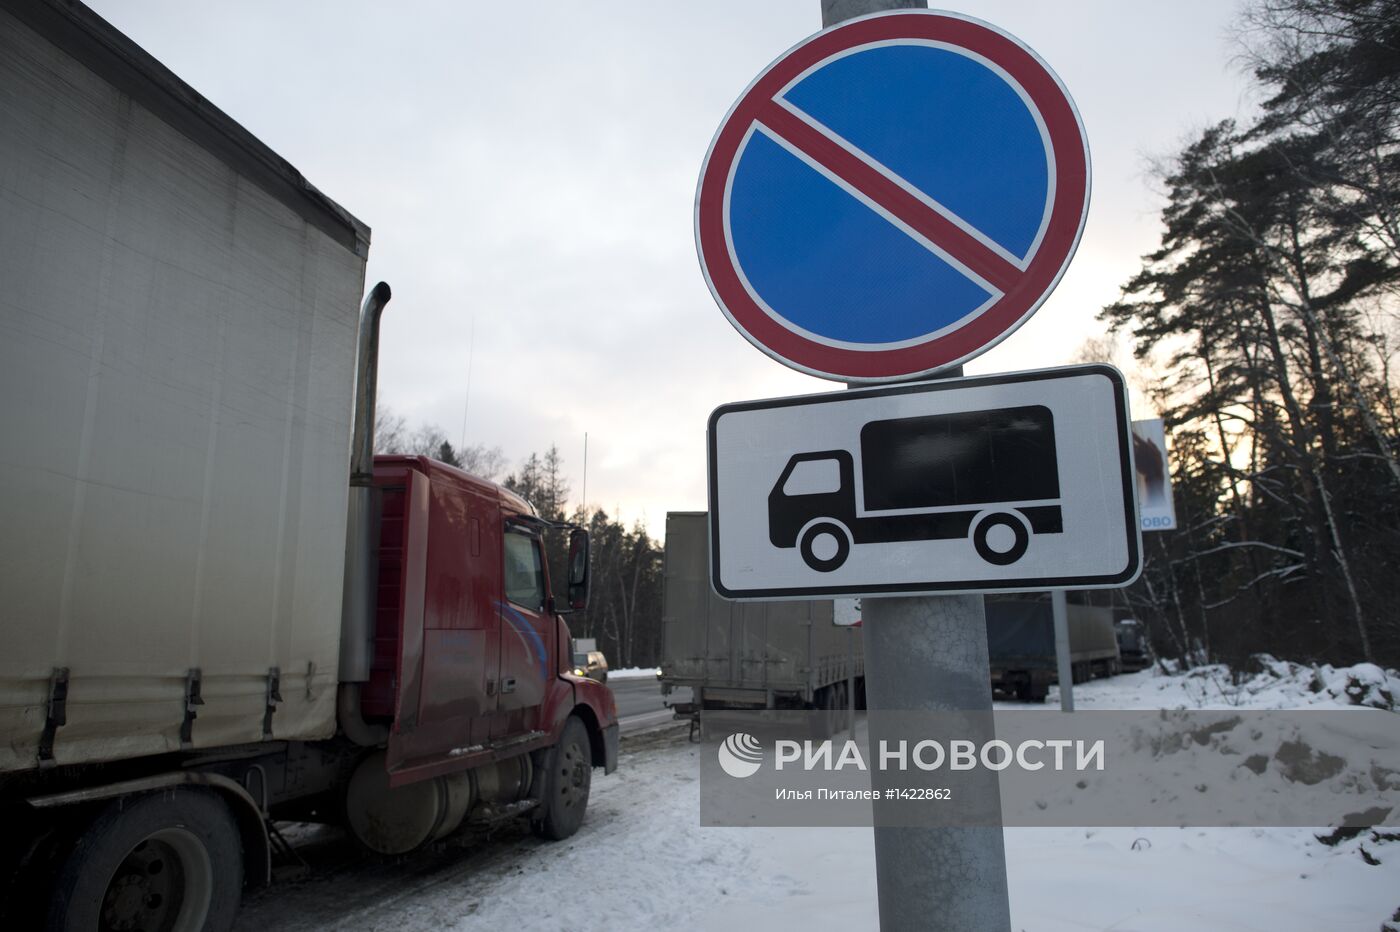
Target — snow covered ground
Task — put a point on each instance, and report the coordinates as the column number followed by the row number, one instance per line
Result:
column 632, row 673
column 1277, row 685
column 642, row 861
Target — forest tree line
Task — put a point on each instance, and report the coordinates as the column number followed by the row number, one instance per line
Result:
column 624, row 609
column 1267, row 324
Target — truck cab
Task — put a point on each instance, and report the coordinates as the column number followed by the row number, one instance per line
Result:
column 472, row 658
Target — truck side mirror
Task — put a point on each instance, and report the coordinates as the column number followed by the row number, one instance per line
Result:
column 578, row 570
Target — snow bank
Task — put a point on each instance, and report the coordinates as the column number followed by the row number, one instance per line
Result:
column 632, row 673
column 1275, row 684
column 1363, row 684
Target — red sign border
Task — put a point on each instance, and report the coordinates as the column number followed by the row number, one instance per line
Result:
column 1043, row 272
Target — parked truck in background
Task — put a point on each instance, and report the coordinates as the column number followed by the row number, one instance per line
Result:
column 220, row 608
column 747, row 655
column 1021, row 641
column 1133, row 645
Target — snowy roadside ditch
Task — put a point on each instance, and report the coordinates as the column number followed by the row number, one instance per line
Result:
column 643, row 861
column 1243, row 767
column 1061, row 879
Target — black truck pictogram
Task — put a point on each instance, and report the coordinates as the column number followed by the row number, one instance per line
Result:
column 934, row 477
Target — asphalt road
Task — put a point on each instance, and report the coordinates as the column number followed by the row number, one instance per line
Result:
column 639, row 702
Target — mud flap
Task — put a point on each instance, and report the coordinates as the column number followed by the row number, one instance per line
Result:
column 610, row 739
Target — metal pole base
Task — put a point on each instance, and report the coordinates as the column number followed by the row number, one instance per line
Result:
column 930, row 654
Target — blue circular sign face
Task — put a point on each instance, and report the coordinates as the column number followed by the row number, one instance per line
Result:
column 893, row 196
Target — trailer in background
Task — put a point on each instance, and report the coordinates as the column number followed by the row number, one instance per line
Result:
column 1021, row 642
column 747, row 655
column 1133, row 645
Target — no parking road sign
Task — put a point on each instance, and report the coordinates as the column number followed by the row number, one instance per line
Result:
column 893, row 196
column 1010, row 482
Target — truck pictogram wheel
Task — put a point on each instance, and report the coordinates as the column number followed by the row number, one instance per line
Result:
column 825, row 545
column 999, row 549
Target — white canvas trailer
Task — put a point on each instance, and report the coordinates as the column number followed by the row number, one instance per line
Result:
column 178, row 313
column 747, row 655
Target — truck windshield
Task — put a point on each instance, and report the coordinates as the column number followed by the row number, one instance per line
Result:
column 580, row 660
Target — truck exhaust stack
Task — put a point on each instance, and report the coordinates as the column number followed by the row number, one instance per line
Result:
column 357, row 630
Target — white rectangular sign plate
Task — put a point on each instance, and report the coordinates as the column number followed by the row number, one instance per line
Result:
column 1013, row 482
column 1154, row 477
column 845, row 613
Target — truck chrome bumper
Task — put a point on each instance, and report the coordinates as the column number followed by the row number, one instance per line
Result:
column 610, row 739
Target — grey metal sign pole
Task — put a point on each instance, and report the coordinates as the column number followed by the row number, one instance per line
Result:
column 1066, row 669
column 851, row 678
column 929, row 653
column 838, row 11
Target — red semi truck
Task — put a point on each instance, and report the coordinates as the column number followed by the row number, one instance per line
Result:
column 219, row 607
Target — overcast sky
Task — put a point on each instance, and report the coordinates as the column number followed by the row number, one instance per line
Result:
column 529, row 175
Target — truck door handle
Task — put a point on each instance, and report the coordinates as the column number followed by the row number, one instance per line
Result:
column 508, row 685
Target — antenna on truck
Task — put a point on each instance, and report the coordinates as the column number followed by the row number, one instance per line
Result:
column 466, row 403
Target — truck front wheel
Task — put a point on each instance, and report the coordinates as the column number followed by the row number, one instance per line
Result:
column 165, row 862
column 568, row 775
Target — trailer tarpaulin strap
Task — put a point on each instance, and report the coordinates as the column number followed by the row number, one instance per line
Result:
column 57, row 714
column 192, row 698
column 274, row 696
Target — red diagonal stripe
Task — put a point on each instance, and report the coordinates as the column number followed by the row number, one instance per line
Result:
column 903, row 205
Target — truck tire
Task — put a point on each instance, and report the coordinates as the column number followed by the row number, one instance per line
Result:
column 163, row 862
column 568, row 774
